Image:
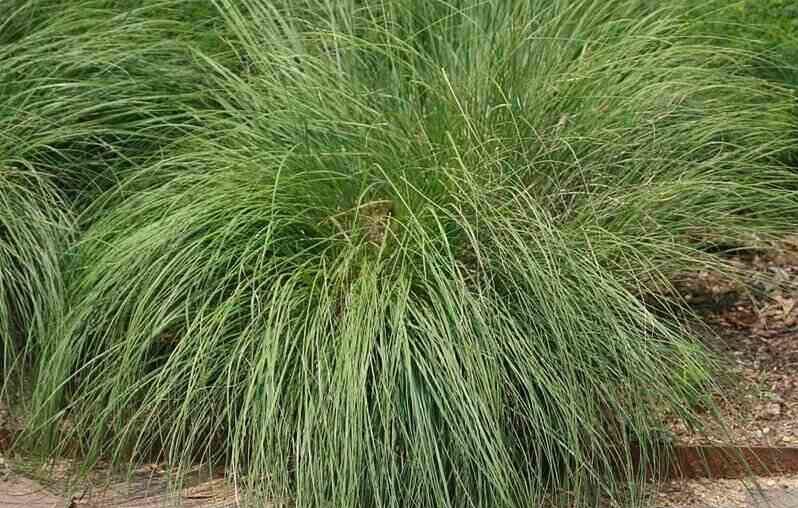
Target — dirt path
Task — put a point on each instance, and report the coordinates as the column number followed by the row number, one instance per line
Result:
column 22, row 492
column 145, row 489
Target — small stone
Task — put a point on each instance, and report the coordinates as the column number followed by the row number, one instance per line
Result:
column 5, row 471
column 771, row 410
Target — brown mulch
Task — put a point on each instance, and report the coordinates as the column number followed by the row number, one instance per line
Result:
column 755, row 325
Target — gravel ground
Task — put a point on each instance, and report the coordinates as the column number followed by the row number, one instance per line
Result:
column 776, row 492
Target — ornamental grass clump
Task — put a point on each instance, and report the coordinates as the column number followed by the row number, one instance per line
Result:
column 408, row 257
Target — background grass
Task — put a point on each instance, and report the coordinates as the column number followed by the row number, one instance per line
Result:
column 769, row 28
column 766, row 30
column 35, row 228
column 376, row 254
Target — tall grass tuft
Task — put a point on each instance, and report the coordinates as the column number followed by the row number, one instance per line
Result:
column 35, row 228
column 83, row 100
column 404, row 260
column 94, row 88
